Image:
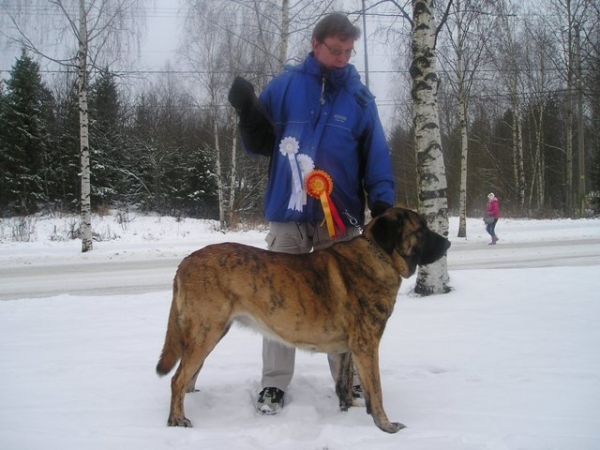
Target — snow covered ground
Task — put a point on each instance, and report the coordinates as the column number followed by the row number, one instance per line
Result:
column 508, row 360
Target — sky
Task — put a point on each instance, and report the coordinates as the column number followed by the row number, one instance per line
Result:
column 507, row 361
column 164, row 23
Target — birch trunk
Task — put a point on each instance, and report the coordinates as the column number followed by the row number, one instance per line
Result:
column 569, row 112
column 464, row 144
column 518, row 169
column 537, row 188
column 433, row 202
column 233, row 177
column 517, row 144
column 85, row 226
column 285, row 32
column 219, row 168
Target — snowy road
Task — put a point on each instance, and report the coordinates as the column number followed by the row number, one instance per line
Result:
column 582, row 252
column 109, row 277
column 95, row 278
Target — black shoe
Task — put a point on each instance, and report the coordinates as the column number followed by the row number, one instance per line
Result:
column 270, row 401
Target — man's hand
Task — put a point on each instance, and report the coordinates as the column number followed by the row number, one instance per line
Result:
column 379, row 208
column 241, row 94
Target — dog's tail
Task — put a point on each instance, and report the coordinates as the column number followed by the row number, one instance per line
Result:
column 172, row 349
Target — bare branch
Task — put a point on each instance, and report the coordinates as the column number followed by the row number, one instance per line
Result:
column 401, row 8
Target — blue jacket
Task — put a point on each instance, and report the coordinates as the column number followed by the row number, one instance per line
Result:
column 334, row 119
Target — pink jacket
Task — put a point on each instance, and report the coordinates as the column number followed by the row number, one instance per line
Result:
column 493, row 208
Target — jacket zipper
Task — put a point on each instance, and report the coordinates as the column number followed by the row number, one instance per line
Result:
column 322, row 99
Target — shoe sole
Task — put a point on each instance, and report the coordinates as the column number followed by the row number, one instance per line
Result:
column 268, row 411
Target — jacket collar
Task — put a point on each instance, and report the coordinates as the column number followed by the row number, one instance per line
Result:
column 337, row 77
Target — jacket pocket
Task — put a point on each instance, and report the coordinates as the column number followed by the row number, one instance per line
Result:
column 270, row 240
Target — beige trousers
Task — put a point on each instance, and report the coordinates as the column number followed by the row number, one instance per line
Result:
column 295, row 238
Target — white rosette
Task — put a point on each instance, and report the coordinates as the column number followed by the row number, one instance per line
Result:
column 289, row 147
column 307, row 165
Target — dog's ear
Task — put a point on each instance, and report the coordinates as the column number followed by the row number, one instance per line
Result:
column 384, row 232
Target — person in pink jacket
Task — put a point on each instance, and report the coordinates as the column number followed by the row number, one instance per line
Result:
column 492, row 216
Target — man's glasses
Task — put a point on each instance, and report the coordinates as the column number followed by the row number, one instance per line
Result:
column 339, row 51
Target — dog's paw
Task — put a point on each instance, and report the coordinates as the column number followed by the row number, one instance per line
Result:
column 179, row 422
column 345, row 405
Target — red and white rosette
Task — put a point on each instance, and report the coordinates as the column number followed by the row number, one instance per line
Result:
column 289, row 147
column 320, row 185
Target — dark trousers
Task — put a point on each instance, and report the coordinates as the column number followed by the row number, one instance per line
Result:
column 491, row 228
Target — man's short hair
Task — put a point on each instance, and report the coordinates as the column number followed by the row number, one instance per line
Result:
column 335, row 24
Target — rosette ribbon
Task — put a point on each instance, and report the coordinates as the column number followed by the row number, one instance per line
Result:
column 289, row 146
column 320, row 185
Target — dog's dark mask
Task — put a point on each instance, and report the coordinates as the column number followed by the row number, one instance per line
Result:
column 415, row 242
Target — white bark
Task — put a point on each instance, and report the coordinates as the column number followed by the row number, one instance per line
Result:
column 464, row 154
column 462, row 118
column 433, row 202
column 220, row 177
column 233, row 172
column 538, row 160
column 517, row 133
column 285, row 32
column 85, row 227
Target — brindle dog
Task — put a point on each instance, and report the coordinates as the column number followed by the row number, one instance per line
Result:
column 336, row 300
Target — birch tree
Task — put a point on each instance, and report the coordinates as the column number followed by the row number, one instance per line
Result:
column 99, row 31
column 568, row 15
column 539, row 79
column 433, row 187
column 468, row 28
column 220, row 43
column 433, row 200
column 508, row 58
column 239, row 37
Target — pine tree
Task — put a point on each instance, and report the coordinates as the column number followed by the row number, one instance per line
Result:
column 106, row 139
column 65, row 153
column 25, row 112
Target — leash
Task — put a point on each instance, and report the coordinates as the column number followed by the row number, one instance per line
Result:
column 352, row 220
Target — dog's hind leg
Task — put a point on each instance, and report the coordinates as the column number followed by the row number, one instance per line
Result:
column 367, row 365
column 201, row 340
column 343, row 383
column 192, row 384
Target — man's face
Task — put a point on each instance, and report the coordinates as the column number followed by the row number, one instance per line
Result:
column 333, row 52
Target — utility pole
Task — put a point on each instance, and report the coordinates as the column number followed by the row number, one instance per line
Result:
column 364, row 18
column 580, row 142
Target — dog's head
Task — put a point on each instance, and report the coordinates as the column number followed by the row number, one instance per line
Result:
column 405, row 233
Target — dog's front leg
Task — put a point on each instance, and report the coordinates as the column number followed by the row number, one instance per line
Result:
column 367, row 364
column 343, row 383
column 192, row 384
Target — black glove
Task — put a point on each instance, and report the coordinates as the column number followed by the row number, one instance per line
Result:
column 241, row 94
column 379, row 208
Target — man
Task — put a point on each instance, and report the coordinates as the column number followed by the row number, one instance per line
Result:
column 319, row 125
